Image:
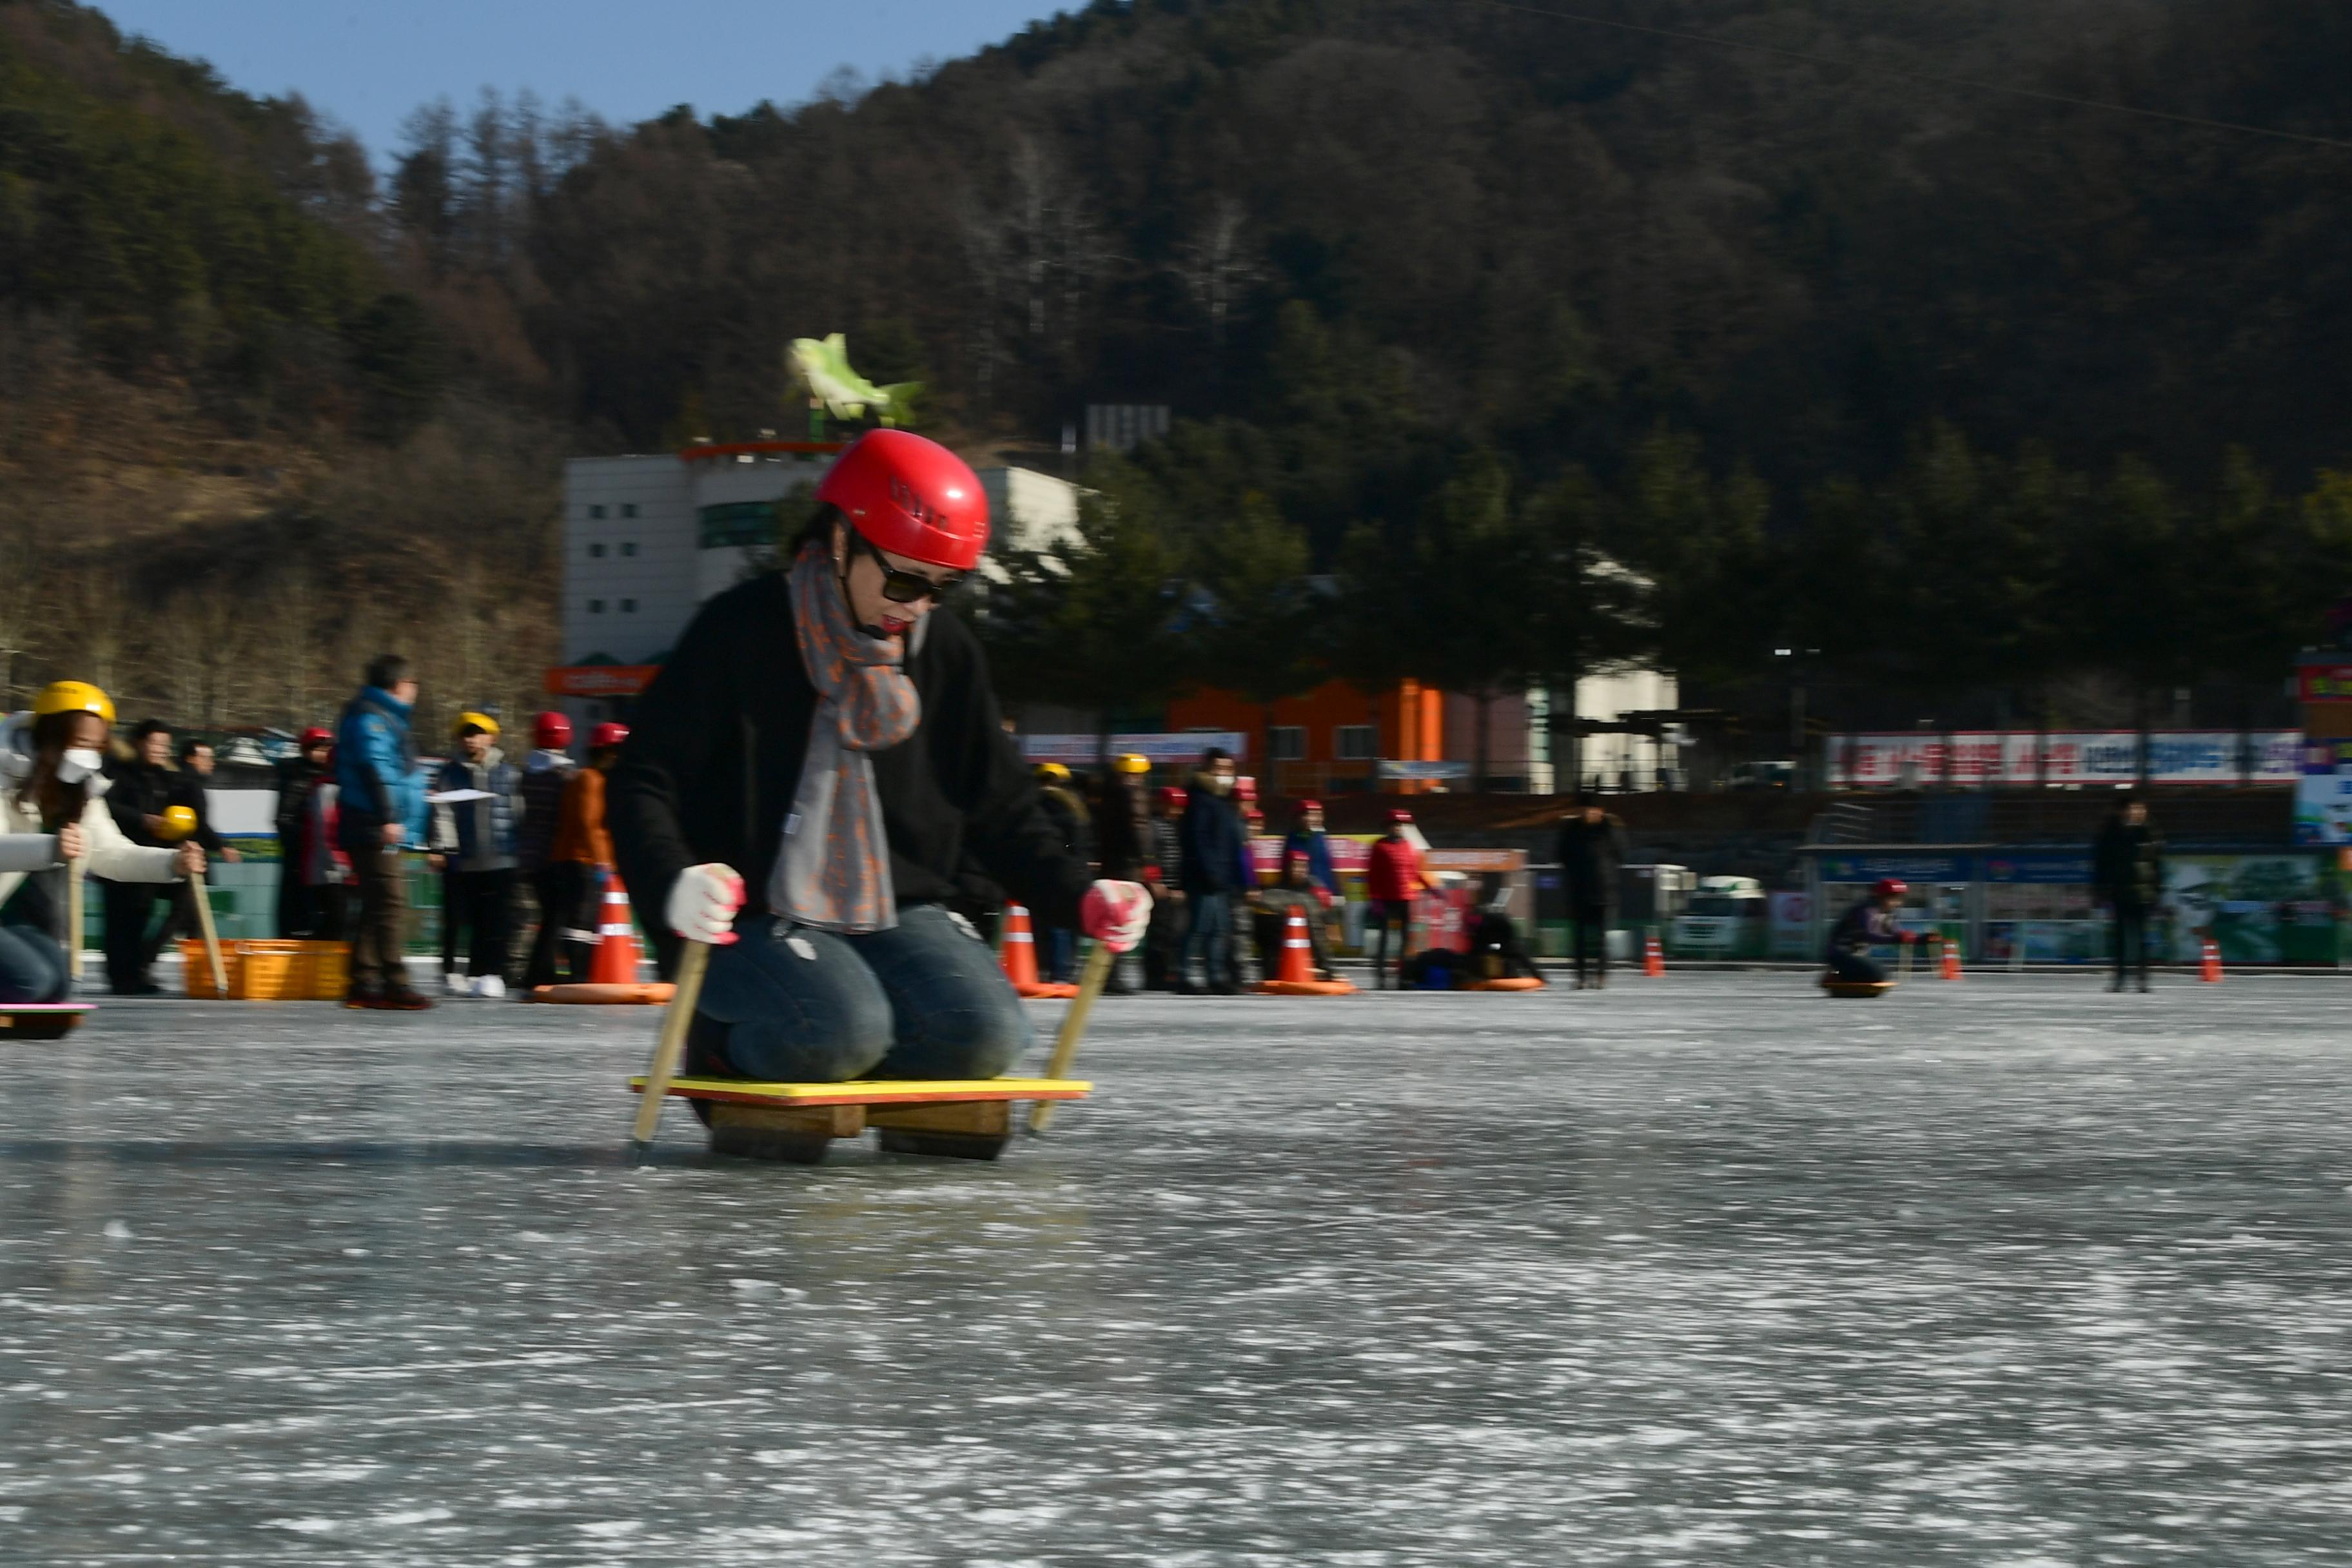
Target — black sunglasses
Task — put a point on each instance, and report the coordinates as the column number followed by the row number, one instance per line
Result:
column 905, row 587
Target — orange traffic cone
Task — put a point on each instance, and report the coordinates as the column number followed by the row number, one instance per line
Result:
column 1951, row 959
column 615, row 959
column 1653, row 957
column 2209, row 965
column 1295, row 976
column 1021, row 957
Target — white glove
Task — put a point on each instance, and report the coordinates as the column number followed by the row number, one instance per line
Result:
column 702, row 904
column 1115, row 914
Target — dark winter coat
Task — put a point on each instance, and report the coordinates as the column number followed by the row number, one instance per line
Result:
column 1072, row 822
column 1863, row 927
column 543, row 778
column 1316, row 848
column 139, row 790
column 2127, row 864
column 715, row 752
column 1591, row 860
column 297, row 779
column 1213, row 843
column 1123, row 829
column 376, row 780
column 1168, row 851
column 478, row 834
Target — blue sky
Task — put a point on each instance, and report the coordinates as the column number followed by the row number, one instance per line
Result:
column 368, row 64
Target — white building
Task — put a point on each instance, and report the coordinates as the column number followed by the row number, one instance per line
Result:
column 647, row 538
column 1522, row 751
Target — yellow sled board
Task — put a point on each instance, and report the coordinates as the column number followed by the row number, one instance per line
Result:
column 42, row 1020
column 1864, row 989
column 968, row 1119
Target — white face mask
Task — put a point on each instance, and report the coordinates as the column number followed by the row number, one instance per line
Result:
column 79, row 765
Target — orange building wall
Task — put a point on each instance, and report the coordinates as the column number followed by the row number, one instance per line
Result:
column 1411, row 721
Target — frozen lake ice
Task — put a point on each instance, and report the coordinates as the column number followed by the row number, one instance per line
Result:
column 1700, row 1271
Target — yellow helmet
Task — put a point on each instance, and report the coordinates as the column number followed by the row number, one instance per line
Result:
column 179, row 821
column 1053, row 773
column 73, row 697
column 1133, row 762
column 482, row 721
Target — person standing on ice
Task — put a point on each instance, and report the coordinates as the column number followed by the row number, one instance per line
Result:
column 583, row 847
column 380, row 810
column 1591, row 853
column 2127, row 865
column 1870, row 923
column 477, row 838
column 1123, row 839
column 50, row 762
column 298, row 777
column 544, row 779
column 139, row 790
column 1393, row 878
column 805, row 777
column 1163, row 877
column 1217, row 871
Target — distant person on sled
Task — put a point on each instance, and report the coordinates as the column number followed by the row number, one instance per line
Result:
column 1868, row 924
column 805, row 780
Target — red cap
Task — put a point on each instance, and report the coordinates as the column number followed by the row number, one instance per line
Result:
column 607, row 734
column 1172, row 795
column 316, row 735
column 1886, row 885
column 1310, row 805
column 1399, row 814
column 911, row 496
column 551, row 731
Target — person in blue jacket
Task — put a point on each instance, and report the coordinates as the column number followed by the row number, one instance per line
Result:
column 1307, row 840
column 381, row 799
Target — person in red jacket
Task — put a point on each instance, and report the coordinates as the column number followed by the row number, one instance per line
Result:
column 1392, row 882
column 813, row 776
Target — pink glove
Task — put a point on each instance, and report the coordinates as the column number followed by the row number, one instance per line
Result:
column 702, row 904
column 1115, row 914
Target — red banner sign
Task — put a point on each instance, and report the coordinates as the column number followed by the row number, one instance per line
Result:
column 601, row 679
column 2324, row 682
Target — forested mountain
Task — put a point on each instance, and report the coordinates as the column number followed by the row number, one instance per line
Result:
column 1749, row 296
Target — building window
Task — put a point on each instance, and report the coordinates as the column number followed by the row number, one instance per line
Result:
column 595, row 607
column 1356, row 743
column 596, row 553
column 629, row 549
column 628, row 606
column 596, row 512
column 1287, row 744
column 628, row 509
column 738, row 524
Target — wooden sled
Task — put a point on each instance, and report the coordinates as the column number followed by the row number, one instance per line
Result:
column 962, row 1119
column 1506, row 983
column 1860, row 988
column 585, row 995
column 42, row 1020
column 1046, row 990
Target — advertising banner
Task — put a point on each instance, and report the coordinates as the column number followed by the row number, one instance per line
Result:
column 2322, row 796
column 1792, row 924
column 1973, row 759
column 1902, row 867
column 2323, row 683
column 1165, row 751
column 1398, row 770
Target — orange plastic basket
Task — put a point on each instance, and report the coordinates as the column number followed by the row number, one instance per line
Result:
column 271, row 971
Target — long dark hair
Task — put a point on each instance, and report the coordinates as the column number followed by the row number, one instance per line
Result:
column 57, row 802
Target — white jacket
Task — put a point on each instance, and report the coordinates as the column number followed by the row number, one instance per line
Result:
column 105, row 852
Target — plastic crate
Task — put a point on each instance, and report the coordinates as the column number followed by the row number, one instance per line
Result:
column 270, row 971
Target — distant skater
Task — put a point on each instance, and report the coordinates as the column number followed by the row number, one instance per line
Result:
column 2127, row 864
column 1867, row 925
column 1592, row 852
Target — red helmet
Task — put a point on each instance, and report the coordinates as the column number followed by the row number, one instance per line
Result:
column 551, row 731
column 316, row 735
column 1399, row 814
column 1889, row 885
column 607, row 734
column 1246, row 788
column 911, row 496
column 1310, row 805
column 1173, row 798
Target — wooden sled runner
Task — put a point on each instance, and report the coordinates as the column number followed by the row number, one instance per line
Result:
column 1506, row 983
column 42, row 1021
column 591, row 994
column 963, row 1118
column 1859, row 988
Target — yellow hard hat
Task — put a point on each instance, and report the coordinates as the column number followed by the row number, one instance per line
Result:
column 482, row 721
column 73, row 697
column 179, row 821
column 1133, row 762
column 1053, row 773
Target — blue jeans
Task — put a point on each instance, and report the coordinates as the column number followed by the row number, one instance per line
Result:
column 32, row 967
column 1211, row 939
column 924, row 999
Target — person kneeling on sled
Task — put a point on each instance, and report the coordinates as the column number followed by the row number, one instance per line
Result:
column 825, row 738
column 49, row 780
column 1867, row 925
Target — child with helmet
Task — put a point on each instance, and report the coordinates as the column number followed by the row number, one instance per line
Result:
column 50, row 777
column 809, row 771
column 1870, row 923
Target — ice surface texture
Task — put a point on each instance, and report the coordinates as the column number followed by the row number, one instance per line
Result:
column 1703, row 1270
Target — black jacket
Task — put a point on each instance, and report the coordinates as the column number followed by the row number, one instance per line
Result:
column 1212, row 841
column 2128, row 863
column 715, row 749
column 1123, row 829
column 1591, row 860
column 139, row 790
column 187, row 789
column 298, row 777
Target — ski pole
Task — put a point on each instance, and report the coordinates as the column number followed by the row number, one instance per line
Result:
column 212, row 936
column 671, row 1046
column 1074, row 1027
